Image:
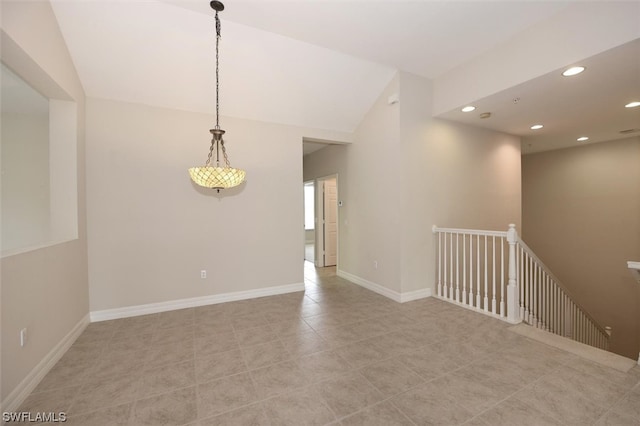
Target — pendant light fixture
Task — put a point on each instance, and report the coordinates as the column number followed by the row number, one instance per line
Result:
column 214, row 175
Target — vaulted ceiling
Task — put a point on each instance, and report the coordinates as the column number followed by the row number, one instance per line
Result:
column 321, row 64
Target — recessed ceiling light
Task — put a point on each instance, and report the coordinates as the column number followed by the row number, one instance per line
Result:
column 573, row 71
column 537, row 126
column 468, row 108
column 632, row 104
column 582, row 139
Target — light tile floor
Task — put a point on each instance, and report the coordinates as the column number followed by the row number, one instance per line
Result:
column 335, row 354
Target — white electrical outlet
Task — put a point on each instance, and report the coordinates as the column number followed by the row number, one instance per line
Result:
column 23, row 337
column 203, row 274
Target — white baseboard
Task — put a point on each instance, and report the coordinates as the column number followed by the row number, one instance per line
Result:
column 13, row 401
column 599, row 356
column 415, row 295
column 152, row 308
column 384, row 291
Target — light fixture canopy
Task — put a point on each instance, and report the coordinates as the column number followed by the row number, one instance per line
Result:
column 468, row 108
column 537, row 127
column 582, row 138
column 633, row 104
column 217, row 176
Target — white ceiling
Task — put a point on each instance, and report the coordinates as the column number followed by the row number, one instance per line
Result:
column 589, row 104
column 321, row 64
column 426, row 38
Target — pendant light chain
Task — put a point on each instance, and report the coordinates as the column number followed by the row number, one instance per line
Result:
column 224, row 151
column 210, row 154
column 213, row 140
column 217, row 71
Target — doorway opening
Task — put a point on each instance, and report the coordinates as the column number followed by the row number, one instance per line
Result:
column 309, row 222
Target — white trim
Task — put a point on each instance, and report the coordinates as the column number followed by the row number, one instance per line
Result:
column 384, row 291
column 152, row 308
column 634, row 268
column 415, row 295
column 34, row 247
column 591, row 353
column 13, row 401
column 502, row 234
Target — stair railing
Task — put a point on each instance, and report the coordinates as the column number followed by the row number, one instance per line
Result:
column 496, row 273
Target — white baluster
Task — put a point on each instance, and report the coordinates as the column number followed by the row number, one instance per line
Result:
column 440, row 264
column 587, row 331
column 478, row 272
column 502, row 314
column 569, row 316
column 556, row 304
column 486, row 277
column 587, row 324
column 528, row 291
column 451, row 266
column 543, row 300
column 551, row 304
column 493, row 296
column 554, row 308
column 471, row 270
column 563, row 313
column 599, row 338
column 445, row 286
column 581, row 326
column 457, row 267
column 512, row 288
column 547, row 298
column 566, row 317
column 521, row 267
column 534, row 294
column 572, row 333
column 574, row 321
column 568, row 326
column 464, row 268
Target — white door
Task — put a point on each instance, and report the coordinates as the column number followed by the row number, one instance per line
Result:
column 330, row 222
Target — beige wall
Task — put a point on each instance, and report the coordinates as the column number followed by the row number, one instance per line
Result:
column 455, row 176
column 447, row 174
column 151, row 231
column 581, row 215
column 44, row 290
column 368, row 187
